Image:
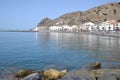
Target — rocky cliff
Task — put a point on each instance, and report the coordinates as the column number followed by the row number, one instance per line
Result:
column 96, row 15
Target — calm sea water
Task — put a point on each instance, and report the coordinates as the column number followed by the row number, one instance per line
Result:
column 59, row 50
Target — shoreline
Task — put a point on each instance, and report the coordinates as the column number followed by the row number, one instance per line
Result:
column 16, row 31
column 98, row 33
column 91, row 71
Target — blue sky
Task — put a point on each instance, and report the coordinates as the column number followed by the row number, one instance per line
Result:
column 25, row 14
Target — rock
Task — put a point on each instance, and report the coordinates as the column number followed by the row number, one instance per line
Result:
column 92, row 66
column 54, row 74
column 23, row 73
column 7, row 76
column 99, row 74
column 76, row 78
column 107, row 74
column 78, row 75
column 63, row 72
column 34, row 76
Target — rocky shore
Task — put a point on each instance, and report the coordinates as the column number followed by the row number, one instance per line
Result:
column 93, row 71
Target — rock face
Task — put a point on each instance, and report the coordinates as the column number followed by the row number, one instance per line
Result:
column 96, row 15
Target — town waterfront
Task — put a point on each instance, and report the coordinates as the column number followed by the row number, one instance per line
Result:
column 43, row 50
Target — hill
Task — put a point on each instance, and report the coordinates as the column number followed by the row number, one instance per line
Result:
column 110, row 11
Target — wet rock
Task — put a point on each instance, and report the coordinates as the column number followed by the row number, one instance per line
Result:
column 92, row 66
column 62, row 73
column 53, row 74
column 23, row 73
column 33, row 76
column 8, row 74
column 99, row 74
column 78, row 75
column 107, row 74
column 111, row 65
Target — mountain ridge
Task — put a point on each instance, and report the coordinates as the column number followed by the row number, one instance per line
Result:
column 98, row 14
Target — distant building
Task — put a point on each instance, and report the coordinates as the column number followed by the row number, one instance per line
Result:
column 89, row 26
column 64, row 28
column 109, row 26
column 35, row 29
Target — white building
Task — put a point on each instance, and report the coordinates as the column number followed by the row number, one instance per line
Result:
column 75, row 28
column 54, row 28
column 108, row 25
column 64, row 28
column 88, row 26
column 35, row 29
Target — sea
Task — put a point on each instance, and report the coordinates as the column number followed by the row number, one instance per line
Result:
column 44, row 50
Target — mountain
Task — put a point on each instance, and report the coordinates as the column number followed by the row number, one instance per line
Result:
column 110, row 11
column 45, row 22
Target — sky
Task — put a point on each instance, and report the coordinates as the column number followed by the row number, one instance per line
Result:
column 26, row 14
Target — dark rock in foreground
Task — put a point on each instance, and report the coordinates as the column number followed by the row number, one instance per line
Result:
column 78, row 75
column 23, row 73
column 93, row 71
column 33, row 76
column 107, row 74
column 92, row 66
column 51, row 74
column 100, row 74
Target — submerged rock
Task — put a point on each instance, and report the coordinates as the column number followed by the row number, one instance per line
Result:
column 23, row 73
column 78, row 75
column 107, row 74
column 99, row 74
column 92, row 66
column 53, row 74
column 8, row 74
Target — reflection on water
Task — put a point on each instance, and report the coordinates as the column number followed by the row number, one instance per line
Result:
column 44, row 50
column 102, row 47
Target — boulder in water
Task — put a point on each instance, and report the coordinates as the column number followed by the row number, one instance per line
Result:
column 33, row 76
column 92, row 66
column 54, row 74
column 23, row 73
column 78, row 75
